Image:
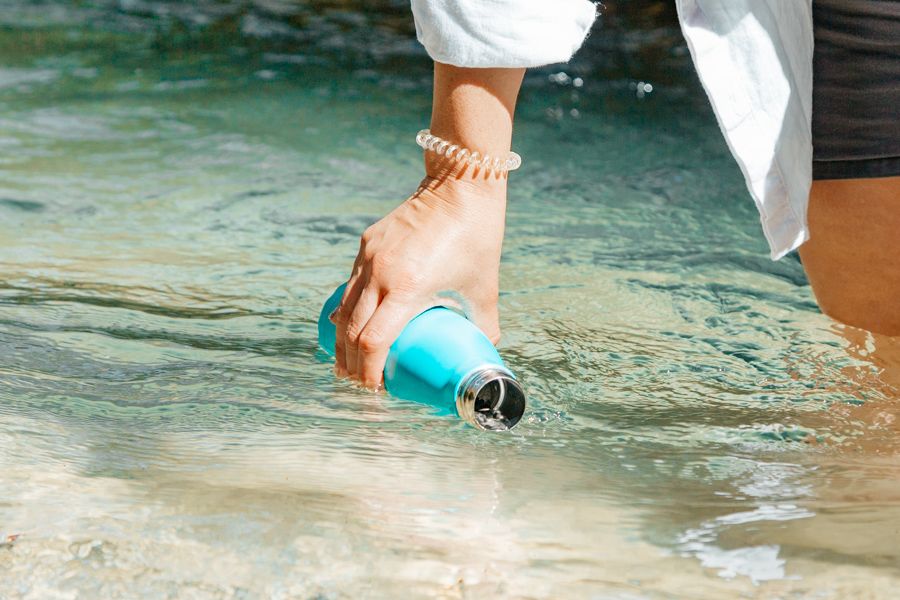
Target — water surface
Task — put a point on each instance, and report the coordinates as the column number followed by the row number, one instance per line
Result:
column 180, row 189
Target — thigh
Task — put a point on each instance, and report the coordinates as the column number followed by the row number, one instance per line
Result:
column 852, row 258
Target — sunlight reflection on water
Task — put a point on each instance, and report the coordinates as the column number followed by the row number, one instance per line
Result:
column 171, row 220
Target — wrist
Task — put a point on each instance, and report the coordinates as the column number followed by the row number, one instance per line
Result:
column 440, row 171
column 451, row 184
column 462, row 196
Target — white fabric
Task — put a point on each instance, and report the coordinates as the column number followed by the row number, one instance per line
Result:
column 502, row 33
column 754, row 58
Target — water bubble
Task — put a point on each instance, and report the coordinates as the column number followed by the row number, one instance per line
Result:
column 642, row 88
column 562, row 78
column 555, row 113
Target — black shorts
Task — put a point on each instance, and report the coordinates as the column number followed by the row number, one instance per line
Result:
column 856, row 89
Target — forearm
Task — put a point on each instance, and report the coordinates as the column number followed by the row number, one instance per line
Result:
column 473, row 108
column 444, row 241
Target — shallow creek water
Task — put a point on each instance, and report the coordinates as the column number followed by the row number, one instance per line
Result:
column 177, row 201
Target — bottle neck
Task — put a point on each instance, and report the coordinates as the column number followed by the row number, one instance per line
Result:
column 490, row 399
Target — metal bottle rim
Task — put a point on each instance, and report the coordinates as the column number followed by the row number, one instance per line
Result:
column 474, row 382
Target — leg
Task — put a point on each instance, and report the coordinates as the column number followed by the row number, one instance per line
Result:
column 852, row 258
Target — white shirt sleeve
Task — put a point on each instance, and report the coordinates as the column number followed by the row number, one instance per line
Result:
column 754, row 58
column 502, row 33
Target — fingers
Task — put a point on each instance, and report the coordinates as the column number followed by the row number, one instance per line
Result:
column 381, row 330
column 365, row 306
column 366, row 328
column 345, row 309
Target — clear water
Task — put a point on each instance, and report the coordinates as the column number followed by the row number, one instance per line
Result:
column 178, row 198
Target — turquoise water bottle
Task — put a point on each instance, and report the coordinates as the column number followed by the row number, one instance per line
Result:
column 443, row 359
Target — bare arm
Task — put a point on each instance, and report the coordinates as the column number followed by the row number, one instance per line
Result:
column 444, row 241
column 473, row 108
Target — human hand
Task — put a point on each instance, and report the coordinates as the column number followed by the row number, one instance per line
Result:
column 439, row 247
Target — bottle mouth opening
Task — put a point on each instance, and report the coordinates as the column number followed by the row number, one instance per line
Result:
column 492, row 401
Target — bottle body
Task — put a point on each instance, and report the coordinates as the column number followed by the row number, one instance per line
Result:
column 444, row 360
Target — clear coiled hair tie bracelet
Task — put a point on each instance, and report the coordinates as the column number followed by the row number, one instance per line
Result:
column 451, row 151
